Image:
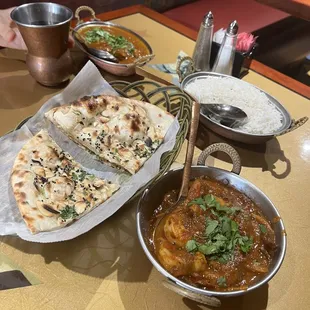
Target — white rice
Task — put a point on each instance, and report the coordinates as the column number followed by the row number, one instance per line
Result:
column 263, row 116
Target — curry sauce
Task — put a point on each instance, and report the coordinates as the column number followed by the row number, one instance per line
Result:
column 217, row 238
column 125, row 46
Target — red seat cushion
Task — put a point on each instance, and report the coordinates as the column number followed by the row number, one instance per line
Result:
column 249, row 14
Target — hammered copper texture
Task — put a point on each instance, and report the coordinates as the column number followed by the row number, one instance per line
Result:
column 48, row 59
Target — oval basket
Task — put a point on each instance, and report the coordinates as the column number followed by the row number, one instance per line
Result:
column 169, row 98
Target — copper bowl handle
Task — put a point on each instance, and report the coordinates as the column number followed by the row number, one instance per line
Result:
column 203, row 299
column 223, row 147
column 295, row 125
column 141, row 61
column 84, row 8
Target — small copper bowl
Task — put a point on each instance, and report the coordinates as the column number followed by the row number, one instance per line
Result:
column 114, row 68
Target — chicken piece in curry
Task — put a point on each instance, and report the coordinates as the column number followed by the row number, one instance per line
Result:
column 215, row 239
column 123, row 45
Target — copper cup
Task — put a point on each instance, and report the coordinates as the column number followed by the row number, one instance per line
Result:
column 45, row 30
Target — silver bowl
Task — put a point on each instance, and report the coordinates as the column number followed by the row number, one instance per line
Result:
column 109, row 66
column 235, row 134
column 153, row 196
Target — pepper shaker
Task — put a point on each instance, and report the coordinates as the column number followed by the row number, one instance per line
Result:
column 202, row 51
column 225, row 58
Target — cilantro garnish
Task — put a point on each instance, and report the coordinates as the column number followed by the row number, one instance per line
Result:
column 91, row 177
column 211, row 226
column 80, row 176
column 263, row 228
column 68, row 213
column 221, row 281
column 142, row 151
column 222, row 234
column 209, row 201
column 191, row 246
column 97, row 34
column 74, row 176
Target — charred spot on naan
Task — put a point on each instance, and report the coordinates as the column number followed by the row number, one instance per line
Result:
column 109, row 140
column 21, row 173
column 76, row 103
column 19, row 184
column 91, row 105
column 136, row 166
column 30, row 223
column 95, row 134
column 103, row 102
column 135, row 125
column 53, row 152
column 86, row 98
column 28, row 218
column 35, row 155
column 20, row 196
column 89, row 102
column 22, row 157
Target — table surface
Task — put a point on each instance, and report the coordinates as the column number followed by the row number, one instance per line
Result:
column 106, row 268
column 297, row 8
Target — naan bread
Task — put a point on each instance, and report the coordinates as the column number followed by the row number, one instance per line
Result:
column 122, row 132
column 50, row 188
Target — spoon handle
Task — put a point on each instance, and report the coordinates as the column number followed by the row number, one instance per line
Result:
column 190, row 149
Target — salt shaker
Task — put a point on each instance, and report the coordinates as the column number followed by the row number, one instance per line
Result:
column 226, row 55
column 202, row 51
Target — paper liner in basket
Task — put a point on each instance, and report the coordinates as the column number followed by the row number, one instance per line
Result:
column 88, row 82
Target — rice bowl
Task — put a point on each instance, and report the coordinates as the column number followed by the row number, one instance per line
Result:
column 266, row 116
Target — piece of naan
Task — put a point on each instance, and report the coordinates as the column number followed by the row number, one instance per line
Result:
column 122, row 132
column 51, row 189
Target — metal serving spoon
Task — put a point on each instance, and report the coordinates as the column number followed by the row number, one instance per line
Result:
column 226, row 114
column 98, row 53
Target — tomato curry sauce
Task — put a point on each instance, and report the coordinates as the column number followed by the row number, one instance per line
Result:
column 216, row 239
column 123, row 45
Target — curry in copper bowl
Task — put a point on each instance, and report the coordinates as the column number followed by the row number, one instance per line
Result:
column 127, row 46
column 217, row 238
column 122, row 44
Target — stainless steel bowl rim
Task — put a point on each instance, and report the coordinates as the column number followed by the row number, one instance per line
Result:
column 42, row 4
column 286, row 116
column 189, row 287
column 98, row 22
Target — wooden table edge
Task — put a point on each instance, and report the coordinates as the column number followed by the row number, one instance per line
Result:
column 256, row 66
